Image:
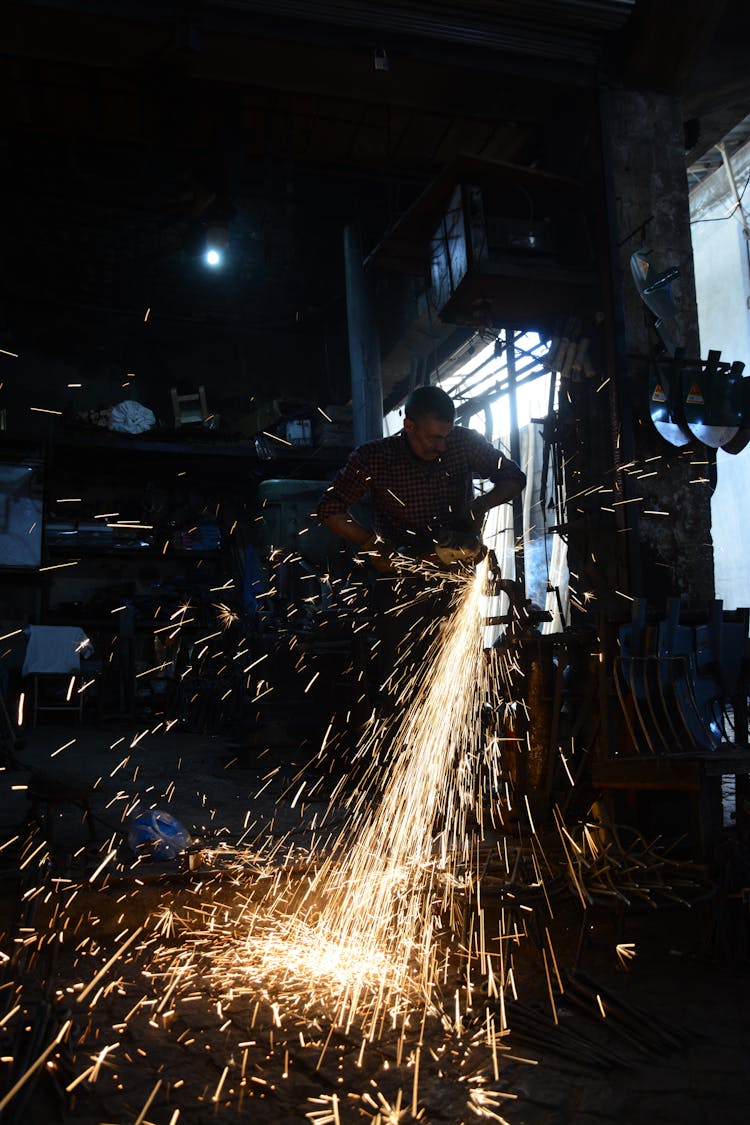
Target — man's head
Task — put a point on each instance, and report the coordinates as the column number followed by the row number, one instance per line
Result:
column 428, row 419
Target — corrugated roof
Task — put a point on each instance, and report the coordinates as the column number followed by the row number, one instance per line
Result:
column 575, row 30
column 703, row 167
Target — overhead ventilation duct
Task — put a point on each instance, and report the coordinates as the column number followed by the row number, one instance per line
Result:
column 499, row 243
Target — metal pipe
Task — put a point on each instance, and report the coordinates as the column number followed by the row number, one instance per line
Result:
column 364, row 346
column 621, row 420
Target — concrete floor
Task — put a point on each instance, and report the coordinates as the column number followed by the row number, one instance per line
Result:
column 689, row 981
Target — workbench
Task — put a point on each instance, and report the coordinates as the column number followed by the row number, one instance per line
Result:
column 697, row 773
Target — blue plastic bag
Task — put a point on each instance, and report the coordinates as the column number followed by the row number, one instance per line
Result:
column 156, row 834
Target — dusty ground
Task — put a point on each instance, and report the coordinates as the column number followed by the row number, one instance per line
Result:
column 669, row 1043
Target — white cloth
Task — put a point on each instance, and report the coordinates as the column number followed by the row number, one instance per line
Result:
column 131, row 418
column 54, row 649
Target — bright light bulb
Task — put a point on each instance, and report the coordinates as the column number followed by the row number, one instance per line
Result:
column 213, row 257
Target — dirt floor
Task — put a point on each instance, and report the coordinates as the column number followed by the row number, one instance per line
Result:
column 148, row 973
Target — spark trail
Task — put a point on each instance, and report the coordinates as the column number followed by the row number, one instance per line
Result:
column 360, row 931
column 376, row 904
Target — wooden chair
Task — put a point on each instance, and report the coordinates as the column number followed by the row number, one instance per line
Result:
column 52, row 669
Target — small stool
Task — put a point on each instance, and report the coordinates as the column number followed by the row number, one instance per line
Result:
column 190, row 407
column 48, row 791
column 56, row 691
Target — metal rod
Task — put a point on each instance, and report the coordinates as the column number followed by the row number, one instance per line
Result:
column 739, row 210
column 515, row 452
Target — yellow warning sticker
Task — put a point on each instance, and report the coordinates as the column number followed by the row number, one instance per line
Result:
column 659, row 394
column 694, row 397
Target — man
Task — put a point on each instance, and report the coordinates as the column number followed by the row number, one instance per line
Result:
column 420, row 482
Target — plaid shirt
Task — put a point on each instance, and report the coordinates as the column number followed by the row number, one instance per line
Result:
column 412, row 496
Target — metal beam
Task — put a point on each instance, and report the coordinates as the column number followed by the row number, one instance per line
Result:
column 364, row 346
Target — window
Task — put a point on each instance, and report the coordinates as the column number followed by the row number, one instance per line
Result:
column 502, row 389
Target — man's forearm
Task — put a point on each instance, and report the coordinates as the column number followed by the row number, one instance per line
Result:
column 502, row 493
column 348, row 528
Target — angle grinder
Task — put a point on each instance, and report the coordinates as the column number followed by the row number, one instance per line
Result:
column 459, row 545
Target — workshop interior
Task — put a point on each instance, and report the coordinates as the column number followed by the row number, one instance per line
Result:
column 236, row 237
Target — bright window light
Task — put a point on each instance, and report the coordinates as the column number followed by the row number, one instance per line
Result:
column 484, row 378
column 213, row 258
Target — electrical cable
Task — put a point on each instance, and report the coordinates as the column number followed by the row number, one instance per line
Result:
column 731, row 215
column 723, row 218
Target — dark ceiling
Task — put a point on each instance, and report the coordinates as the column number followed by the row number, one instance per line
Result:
column 128, row 128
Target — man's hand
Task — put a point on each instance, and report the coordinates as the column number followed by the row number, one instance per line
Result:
column 467, row 523
column 379, row 553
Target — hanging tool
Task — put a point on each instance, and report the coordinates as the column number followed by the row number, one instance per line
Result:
column 712, row 397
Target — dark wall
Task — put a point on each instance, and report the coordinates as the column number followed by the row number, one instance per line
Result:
column 104, row 276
